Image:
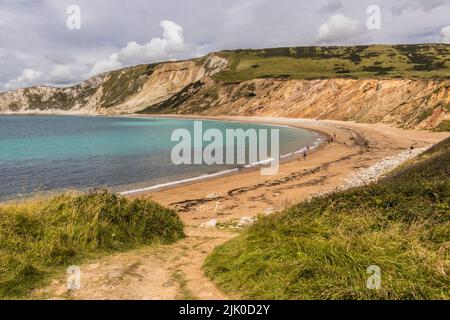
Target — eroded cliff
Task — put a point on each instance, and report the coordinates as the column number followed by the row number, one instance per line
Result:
column 421, row 104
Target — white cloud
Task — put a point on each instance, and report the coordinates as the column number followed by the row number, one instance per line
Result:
column 28, row 77
column 339, row 28
column 106, row 65
column 60, row 74
column 445, row 32
column 155, row 50
column 399, row 7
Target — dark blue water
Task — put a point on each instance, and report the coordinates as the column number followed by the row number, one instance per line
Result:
column 39, row 154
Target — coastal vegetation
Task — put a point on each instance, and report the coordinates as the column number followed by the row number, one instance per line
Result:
column 123, row 83
column 40, row 237
column 443, row 126
column 416, row 61
column 322, row 248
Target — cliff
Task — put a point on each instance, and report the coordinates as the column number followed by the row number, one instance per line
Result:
column 406, row 86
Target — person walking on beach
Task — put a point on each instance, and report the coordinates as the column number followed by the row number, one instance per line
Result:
column 305, row 154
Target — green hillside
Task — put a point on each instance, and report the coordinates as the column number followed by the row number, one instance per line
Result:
column 421, row 61
column 321, row 249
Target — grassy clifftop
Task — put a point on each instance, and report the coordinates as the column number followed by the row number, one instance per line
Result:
column 421, row 61
column 39, row 237
column 321, row 249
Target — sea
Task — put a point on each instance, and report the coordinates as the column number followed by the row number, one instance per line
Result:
column 42, row 154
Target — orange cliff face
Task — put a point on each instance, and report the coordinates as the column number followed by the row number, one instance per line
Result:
column 420, row 104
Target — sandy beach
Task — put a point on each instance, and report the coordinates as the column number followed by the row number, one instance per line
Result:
column 248, row 193
column 175, row 271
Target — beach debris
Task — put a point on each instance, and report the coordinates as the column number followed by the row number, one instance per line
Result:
column 213, row 196
column 217, row 207
column 168, row 284
column 276, row 194
column 210, row 224
column 246, row 222
column 269, row 211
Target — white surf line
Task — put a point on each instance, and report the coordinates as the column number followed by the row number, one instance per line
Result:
column 315, row 145
column 174, row 183
column 220, row 173
column 286, row 155
column 254, row 164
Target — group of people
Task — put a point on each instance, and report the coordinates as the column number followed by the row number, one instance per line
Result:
column 330, row 140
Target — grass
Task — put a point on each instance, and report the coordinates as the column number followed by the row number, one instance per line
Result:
column 40, row 237
column 123, row 83
column 421, row 61
column 63, row 99
column 185, row 293
column 321, row 249
column 443, row 126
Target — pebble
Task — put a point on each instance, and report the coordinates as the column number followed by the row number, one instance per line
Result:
column 246, row 222
column 213, row 196
column 210, row 224
column 374, row 172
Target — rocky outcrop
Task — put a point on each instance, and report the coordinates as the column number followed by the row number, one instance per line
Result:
column 169, row 79
column 76, row 99
column 122, row 91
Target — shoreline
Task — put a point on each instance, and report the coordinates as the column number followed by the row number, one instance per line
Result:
column 291, row 156
column 246, row 193
column 324, row 128
column 142, row 187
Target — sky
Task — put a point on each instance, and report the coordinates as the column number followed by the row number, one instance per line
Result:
column 60, row 43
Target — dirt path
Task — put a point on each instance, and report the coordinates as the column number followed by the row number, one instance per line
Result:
column 150, row 273
column 175, row 271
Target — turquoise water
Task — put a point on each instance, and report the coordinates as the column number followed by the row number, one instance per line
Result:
column 49, row 153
